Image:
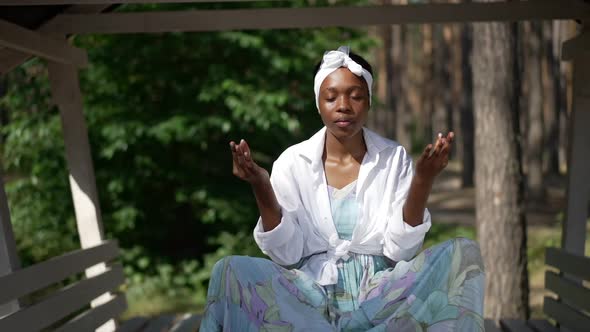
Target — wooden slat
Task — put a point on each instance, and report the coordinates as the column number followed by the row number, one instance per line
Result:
column 285, row 18
column 95, row 317
column 41, row 275
column 541, row 325
column 565, row 315
column 65, row 90
column 578, row 177
column 515, row 325
column 9, row 261
column 490, row 326
column 62, row 303
column 21, row 39
column 10, row 59
column 160, row 324
column 576, row 45
column 190, row 323
column 568, row 263
column 86, row 2
column 135, row 324
column 573, row 293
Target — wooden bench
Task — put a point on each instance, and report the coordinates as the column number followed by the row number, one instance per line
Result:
column 67, row 308
column 570, row 309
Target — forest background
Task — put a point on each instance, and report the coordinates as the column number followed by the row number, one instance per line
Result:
column 161, row 109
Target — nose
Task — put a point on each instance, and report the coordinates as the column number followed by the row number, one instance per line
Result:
column 343, row 104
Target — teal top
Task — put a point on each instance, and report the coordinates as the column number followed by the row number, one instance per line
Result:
column 359, row 268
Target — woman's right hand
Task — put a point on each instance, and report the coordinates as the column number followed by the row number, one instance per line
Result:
column 244, row 167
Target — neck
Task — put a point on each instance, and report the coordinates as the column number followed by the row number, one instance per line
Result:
column 339, row 148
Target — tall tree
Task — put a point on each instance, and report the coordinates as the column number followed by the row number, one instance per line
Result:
column 403, row 114
column 383, row 116
column 535, row 128
column 501, row 228
column 552, row 96
column 467, row 126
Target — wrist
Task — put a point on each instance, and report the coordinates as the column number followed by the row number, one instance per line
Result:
column 423, row 180
column 260, row 182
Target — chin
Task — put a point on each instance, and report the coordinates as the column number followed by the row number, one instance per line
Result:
column 345, row 132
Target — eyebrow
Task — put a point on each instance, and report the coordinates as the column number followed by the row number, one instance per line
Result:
column 354, row 87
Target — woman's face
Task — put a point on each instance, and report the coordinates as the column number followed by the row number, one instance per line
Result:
column 344, row 103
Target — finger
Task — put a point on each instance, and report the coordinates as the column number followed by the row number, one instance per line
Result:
column 246, row 149
column 246, row 155
column 445, row 149
column 451, row 136
column 437, row 145
column 240, row 156
column 427, row 152
column 232, row 147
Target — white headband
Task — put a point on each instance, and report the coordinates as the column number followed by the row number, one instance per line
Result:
column 333, row 60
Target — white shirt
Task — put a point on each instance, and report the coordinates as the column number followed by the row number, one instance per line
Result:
column 307, row 228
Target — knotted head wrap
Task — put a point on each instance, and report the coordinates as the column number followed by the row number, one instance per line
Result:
column 333, row 60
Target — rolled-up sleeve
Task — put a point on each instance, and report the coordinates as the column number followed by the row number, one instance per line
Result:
column 401, row 240
column 284, row 243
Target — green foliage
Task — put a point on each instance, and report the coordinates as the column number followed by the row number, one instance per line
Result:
column 160, row 111
column 41, row 208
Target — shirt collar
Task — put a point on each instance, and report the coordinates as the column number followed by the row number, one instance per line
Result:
column 313, row 149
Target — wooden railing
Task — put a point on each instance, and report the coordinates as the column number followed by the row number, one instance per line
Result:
column 571, row 308
column 57, row 307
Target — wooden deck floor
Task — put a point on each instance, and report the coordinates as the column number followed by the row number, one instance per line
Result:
column 163, row 323
column 190, row 323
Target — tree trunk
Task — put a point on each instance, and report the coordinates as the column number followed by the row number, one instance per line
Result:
column 384, row 107
column 534, row 125
column 400, row 86
column 440, row 81
column 564, row 30
column 501, row 228
column 551, row 93
column 424, row 120
column 467, row 126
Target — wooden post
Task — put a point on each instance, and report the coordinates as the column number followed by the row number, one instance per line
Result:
column 66, row 95
column 578, row 183
column 8, row 256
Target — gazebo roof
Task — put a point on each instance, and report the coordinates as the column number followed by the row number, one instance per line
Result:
column 39, row 27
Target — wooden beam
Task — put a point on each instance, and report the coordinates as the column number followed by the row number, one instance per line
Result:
column 9, row 261
column 576, row 45
column 10, row 59
column 578, row 177
column 569, row 263
column 285, row 18
column 65, row 90
column 134, row 324
column 24, row 40
column 565, row 315
column 93, row 318
column 33, row 278
column 86, row 2
column 568, row 291
column 62, row 303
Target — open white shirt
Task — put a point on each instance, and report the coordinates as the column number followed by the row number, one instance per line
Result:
column 307, row 228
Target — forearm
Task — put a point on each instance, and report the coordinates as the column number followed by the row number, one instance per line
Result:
column 268, row 206
column 415, row 204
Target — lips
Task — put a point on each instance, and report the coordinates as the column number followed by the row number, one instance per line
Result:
column 342, row 123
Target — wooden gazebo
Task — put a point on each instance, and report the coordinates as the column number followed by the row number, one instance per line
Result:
column 40, row 27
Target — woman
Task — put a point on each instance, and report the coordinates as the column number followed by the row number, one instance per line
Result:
column 342, row 217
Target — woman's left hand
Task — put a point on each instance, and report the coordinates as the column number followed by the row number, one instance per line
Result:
column 435, row 158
